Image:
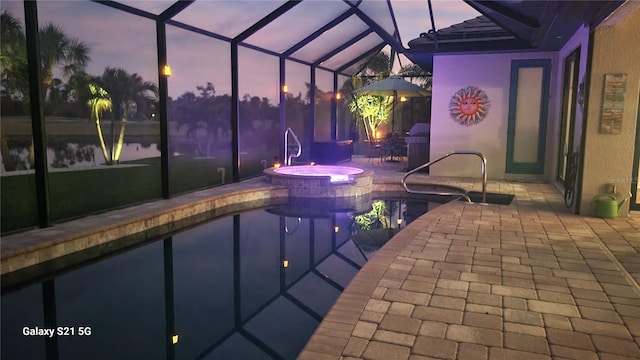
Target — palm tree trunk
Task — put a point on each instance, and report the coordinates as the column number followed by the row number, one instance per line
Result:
column 94, row 114
column 9, row 164
column 103, row 146
column 113, row 140
column 368, row 129
column 32, row 156
column 116, row 158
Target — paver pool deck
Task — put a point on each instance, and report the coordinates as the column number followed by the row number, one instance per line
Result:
column 523, row 281
column 529, row 280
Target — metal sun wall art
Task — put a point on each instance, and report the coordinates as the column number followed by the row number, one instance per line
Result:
column 469, row 105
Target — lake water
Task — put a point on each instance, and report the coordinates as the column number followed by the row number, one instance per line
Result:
column 75, row 156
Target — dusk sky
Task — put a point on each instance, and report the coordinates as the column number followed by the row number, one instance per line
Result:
column 117, row 39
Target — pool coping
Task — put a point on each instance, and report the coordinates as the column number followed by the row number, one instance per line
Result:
column 143, row 222
column 32, row 247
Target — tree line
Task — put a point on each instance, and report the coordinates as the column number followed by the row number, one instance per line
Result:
column 119, row 96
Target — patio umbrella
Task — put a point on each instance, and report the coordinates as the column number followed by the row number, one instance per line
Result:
column 393, row 86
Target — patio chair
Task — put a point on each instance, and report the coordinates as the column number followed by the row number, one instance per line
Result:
column 392, row 147
column 375, row 151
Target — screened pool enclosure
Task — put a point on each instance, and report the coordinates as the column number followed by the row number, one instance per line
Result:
column 105, row 104
column 142, row 100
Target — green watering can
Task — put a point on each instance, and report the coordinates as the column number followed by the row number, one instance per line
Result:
column 607, row 206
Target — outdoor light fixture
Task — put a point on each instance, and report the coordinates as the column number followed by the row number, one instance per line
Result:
column 399, row 221
column 276, row 165
column 285, row 88
column 312, row 163
column 336, row 229
column 285, row 263
column 166, row 70
column 174, row 339
column 403, row 98
column 338, row 96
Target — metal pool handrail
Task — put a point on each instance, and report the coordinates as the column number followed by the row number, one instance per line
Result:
column 455, row 152
column 286, row 146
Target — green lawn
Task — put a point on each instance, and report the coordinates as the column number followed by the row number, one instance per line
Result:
column 74, row 193
column 57, row 126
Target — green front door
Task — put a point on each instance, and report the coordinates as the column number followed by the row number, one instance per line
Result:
column 528, row 109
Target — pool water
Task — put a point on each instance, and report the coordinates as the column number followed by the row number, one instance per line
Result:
column 337, row 174
column 249, row 286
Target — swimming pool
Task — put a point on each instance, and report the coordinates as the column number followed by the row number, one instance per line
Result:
column 254, row 285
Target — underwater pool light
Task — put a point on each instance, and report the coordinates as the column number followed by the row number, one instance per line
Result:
column 339, row 178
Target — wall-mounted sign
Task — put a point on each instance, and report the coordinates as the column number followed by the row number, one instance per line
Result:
column 615, row 86
column 469, row 105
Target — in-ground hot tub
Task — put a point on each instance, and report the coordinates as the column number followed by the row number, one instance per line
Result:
column 336, row 174
column 319, row 181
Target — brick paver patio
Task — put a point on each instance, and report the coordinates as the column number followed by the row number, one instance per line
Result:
column 469, row 281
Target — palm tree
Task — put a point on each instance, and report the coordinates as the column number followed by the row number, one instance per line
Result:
column 372, row 110
column 13, row 74
column 76, row 92
column 98, row 104
column 378, row 65
column 57, row 96
column 413, row 71
column 59, row 52
column 117, row 90
column 13, row 58
column 419, row 108
column 375, row 110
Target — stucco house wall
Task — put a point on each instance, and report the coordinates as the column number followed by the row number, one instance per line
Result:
column 491, row 73
column 609, row 158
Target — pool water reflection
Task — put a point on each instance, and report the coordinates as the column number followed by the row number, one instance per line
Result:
column 249, row 286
